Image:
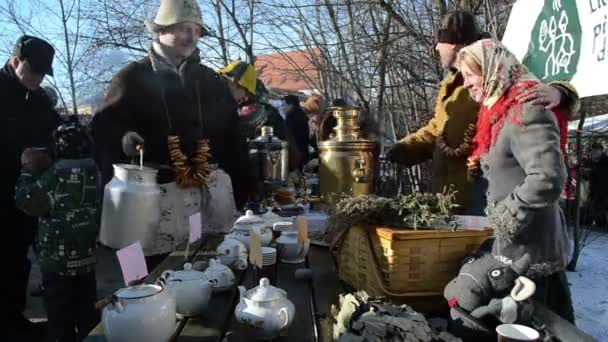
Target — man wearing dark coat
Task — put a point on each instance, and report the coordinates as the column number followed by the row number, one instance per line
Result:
column 170, row 93
column 296, row 122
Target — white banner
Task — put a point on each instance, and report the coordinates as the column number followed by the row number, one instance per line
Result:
column 562, row 40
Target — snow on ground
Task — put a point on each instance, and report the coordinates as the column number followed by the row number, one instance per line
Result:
column 589, row 286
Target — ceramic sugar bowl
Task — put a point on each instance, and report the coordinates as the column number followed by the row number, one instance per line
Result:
column 232, row 253
column 265, row 309
column 221, row 276
column 192, row 289
column 245, row 224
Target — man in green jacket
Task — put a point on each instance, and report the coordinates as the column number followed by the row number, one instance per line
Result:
column 446, row 138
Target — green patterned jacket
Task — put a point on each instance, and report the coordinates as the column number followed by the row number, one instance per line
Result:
column 66, row 201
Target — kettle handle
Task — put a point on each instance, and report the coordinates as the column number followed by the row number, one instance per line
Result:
column 111, row 300
column 165, row 277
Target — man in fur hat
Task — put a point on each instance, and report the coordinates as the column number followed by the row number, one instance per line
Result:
column 445, row 139
column 170, row 93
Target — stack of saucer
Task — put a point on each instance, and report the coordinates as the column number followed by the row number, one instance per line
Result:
column 269, row 256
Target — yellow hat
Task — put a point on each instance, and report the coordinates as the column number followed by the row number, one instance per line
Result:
column 173, row 12
column 242, row 73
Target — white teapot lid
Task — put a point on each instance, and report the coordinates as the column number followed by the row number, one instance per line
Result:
column 249, row 218
column 187, row 274
column 138, row 291
column 265, row 292
column 217, row 266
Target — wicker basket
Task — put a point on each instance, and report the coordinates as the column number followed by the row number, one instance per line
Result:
column 407, row 266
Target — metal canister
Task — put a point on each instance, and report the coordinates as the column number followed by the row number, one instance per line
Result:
column 347, row 163
column 269, row 156
column 131, row 207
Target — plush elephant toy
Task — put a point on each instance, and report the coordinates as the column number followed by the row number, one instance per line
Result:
column 488, row 292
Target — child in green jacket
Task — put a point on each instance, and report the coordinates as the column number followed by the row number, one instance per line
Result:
column 64, row 196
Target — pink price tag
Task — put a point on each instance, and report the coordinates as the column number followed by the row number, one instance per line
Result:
column 132, row 263
column 195, row 228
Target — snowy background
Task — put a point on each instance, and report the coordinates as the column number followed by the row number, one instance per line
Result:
column 589, row 286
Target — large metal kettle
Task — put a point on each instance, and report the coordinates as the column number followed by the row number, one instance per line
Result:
column 269, row 157
column 347, row 163
column 131, row 207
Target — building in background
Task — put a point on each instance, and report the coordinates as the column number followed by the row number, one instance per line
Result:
column 291, row 72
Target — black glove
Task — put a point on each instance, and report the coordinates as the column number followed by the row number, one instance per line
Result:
column 389, row 154
column 130, row 141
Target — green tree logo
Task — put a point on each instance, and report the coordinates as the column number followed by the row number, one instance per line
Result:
column 555, row 44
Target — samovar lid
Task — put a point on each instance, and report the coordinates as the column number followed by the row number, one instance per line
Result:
column 267, row 139
column 347, row 130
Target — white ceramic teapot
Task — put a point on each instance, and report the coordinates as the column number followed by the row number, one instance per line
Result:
column 140, row 313
column 266, row 309
column 245, row 224
column 191, row 288
column 220, row 275
column 232, row 253
column 290, row 251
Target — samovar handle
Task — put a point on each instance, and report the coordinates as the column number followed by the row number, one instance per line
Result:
column 361, row 173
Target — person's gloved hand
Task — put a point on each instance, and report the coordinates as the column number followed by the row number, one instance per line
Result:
column 391, row 154
column 35, row 159
column 130, row 141
column 312, row 165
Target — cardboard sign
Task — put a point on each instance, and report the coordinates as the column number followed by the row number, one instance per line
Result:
column 302, row 224
column 255, row 250
column 132, row 263
column 195, row 228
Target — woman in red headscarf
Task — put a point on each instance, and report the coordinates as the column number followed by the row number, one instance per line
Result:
column 518, row 149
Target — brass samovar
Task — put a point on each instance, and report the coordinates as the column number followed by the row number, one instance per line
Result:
column 347, row 162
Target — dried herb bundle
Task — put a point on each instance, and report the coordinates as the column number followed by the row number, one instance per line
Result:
column 425, row 209
column 417, row 210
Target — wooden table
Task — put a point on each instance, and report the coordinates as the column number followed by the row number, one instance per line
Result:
column 312, row 298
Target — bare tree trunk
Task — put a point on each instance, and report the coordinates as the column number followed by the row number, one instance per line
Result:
column 381, row 115
column 441, row 7
column 220, row 23
column 65, row 17
column 251, row 18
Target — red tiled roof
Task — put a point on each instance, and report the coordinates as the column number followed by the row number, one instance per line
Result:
column 292, row 71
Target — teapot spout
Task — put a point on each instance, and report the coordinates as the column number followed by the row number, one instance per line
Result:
column 304, row 249
column 242, row 293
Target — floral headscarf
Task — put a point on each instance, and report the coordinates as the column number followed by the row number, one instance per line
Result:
column 504, row 77
column 499, row 67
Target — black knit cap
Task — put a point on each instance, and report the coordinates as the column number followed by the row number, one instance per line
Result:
column 458, row 27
